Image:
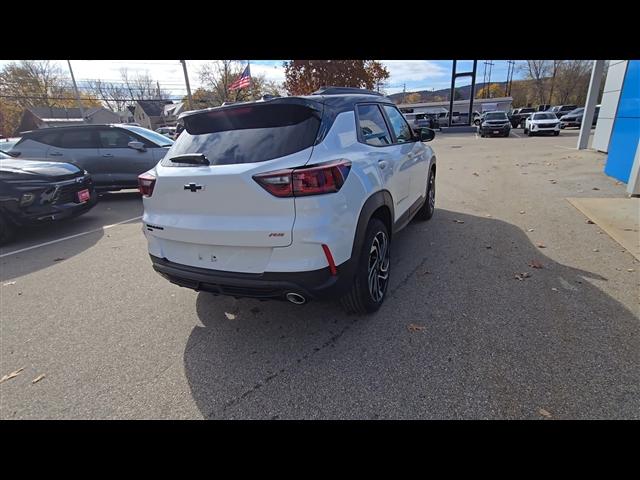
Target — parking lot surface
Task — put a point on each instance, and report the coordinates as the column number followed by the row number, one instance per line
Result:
column 463, row 332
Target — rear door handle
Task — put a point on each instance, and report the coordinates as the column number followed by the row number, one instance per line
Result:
column 55, row 154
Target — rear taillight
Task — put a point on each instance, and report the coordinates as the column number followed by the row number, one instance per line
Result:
column 146, row 182
column 303, row 181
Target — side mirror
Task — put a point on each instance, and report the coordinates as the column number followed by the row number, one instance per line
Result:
column 137, row 146
column 426, row 135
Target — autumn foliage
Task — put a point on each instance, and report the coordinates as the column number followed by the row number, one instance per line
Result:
column 303, row 77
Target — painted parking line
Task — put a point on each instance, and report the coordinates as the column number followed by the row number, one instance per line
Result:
column 514, row 133
column 105, row 227
column 566, row 148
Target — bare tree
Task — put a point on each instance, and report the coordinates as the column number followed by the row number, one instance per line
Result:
column 573, row 81
column 142, row 86
column 537, row 71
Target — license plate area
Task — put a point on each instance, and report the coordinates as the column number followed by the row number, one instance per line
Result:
column 83, row 196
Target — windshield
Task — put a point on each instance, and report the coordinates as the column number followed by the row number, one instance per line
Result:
column 496, row 116
column 544, row 116
column 4, row 155
column 576, row 111
column 157, row 138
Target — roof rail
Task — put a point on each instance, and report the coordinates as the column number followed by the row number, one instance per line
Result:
column 345, row 91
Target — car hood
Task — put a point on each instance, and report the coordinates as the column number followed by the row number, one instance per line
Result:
column 545, row 120
column 37, row 170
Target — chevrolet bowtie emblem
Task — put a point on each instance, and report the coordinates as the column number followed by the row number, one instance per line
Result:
column 193, row 187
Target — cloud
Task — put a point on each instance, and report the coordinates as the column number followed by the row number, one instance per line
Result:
column 413, row 70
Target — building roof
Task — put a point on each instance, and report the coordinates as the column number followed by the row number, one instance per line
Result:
column 55, row 112
column 153, row 108
column 476, row 101
column 173, row 108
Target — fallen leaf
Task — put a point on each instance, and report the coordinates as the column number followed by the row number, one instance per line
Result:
column 589, row 222
column 595, row 188
column 8, row 283
column 553, row 181
column 426, row 272
column 535, row 264
column 522, row 276
column 59, row 259
column 230, row 316
column 596, row 250
column 544, row 413
column 541, row 245
column 415, row 328
column 554, row 289
column 488, row 215
column 476, row 174
column 37, row 379
column 522, row 212
column 458, row 221
column 487, row 246
column 530, row 230
column 630, row 270
column 11, row 375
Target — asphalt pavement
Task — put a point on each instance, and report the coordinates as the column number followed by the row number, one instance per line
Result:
column 464, row 333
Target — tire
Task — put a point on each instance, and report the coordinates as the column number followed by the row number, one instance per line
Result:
column 7, row 230
column 555, row 134
column 507, row 133
column 530, row 133
column 365, row 296
column 526, row 131
column 481, row 135
column 427, row 210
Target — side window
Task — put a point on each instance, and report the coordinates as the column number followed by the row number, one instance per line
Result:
column 113, row 138
column 81, row 138
column 372, row 126
column 399, row 125
column 48, row 138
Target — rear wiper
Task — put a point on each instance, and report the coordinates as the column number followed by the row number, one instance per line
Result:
column 191, row 158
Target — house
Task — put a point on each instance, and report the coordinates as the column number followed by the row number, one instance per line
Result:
column 43, row 117
column 151, row 113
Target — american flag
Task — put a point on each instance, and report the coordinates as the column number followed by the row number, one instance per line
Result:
column 243, row 81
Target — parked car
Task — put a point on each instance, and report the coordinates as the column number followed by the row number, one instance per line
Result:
column 544, row 107
column 574, row 118
column 542, row 122
column 560, row 110
column 520, row 115
column 168, row 132
column 294, row 198
column 114, row 154
column 37, row 192
column 494, row 123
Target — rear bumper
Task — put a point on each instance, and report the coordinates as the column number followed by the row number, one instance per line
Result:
column 316, row 284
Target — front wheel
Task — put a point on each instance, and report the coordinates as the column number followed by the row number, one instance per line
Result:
column 429, row 206
column 530, row 133
column 555, row 134
column 372, row 272
column 526, row 131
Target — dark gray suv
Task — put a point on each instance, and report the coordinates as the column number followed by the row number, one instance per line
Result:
column 114, row 155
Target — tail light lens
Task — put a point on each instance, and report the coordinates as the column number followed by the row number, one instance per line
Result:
column 299, row 182
column 146, row 182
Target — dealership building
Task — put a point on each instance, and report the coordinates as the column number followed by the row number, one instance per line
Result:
column 617, row 132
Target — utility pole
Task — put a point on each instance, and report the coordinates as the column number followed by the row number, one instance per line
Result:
column 491, row 64
column 404, row 92
column 506, row 84
column 75, row 87
column 186, row 80
column 510, row 79
column 484, row 79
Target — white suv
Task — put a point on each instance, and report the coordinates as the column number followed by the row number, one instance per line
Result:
column 294, row 198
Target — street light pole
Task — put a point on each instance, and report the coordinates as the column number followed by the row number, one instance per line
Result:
column 186, row 80
column 75, row 87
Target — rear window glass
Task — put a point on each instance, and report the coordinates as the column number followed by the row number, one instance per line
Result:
column 84, row 138
column 248, row 134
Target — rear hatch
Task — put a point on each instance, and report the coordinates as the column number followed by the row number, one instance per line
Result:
column 206, row 209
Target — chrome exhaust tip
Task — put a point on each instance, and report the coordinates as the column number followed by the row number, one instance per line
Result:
column 296, row 298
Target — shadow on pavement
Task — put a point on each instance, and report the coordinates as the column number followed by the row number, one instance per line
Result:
column 111, row 208
column 493, row 346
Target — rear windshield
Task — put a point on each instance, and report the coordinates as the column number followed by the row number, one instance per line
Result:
column 248, row 134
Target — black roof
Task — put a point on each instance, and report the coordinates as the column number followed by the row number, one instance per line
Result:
column 339, row 102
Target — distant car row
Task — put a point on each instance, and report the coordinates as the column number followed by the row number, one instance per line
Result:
column 55, row 173
column 569, row 115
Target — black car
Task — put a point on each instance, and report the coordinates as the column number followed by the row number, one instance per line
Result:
column 494, row 123
column 519, row 116
column 36, row 192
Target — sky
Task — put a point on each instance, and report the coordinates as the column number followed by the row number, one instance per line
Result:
column 415, row 74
